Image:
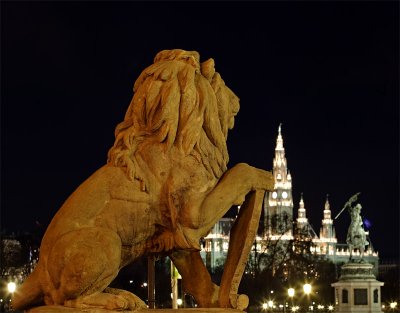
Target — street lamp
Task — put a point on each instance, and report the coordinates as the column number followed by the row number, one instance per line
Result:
column 307, row 290
column 270, row 304
column 11, row 286
column 393, row 305
column 291, row 295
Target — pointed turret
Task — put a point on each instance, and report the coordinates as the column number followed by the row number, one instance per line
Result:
column 327, row 233
column 327, row 221
column 304, row 228
column 302, row 219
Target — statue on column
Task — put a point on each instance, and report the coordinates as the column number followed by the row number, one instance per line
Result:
column 356, row 235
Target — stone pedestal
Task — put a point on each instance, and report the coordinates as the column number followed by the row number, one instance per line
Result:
column 61, row 309
column 357, row 290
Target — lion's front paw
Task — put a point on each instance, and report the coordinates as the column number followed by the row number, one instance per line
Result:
column 264, row 180
column 239, row 302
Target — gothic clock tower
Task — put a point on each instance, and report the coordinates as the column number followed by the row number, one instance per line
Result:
column 278, row 205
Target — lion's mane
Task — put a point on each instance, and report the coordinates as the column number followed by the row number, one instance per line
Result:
column 179, row 102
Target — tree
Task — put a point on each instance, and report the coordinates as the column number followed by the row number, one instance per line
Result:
column 279, row 264
column 11, row 255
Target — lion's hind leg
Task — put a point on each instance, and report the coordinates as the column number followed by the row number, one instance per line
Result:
column 134, row 302
column 81, row 265
column 110, row 299
column 99, row 300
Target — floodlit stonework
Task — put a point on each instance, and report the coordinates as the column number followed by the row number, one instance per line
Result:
column 165, row 185
column 357, row 290
column 278, row 216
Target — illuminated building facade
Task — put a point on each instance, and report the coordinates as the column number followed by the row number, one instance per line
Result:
column 278, row 223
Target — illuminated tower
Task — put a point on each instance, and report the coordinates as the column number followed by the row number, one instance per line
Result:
column 304, row 228
column 302, row 220
column 278, row 205
column 327, row 236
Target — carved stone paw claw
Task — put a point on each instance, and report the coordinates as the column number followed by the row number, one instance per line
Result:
column 239, row 302
column 134, row 302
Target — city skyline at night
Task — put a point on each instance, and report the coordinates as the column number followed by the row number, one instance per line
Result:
column 327, row 71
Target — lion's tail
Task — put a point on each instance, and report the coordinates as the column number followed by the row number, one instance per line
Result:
column 29, row 293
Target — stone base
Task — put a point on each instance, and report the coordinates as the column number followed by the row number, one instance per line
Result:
column 355, row 271
column 357, row 290
column 62, row 309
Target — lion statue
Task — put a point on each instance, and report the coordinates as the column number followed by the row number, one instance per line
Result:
column 164, row 186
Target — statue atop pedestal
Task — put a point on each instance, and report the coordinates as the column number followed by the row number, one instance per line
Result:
column 356, row 234
column 357, row 290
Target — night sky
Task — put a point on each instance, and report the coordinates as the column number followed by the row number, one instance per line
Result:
column 328, row 71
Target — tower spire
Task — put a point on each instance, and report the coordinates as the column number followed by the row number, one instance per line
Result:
column 279, row 203
column 301, row 213
column 327, row 205
column 327, row 232
column 279, row 140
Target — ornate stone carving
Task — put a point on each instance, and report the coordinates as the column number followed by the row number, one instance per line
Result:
column 356, row 235
column 164, row 186
column 354, row 271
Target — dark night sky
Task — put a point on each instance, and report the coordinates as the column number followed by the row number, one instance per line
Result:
column 329, row 71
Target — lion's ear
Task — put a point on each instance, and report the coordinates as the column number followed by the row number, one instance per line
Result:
column 208, row 69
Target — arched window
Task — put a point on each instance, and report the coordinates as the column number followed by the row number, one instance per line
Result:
column 376, row 296
column 345, row 296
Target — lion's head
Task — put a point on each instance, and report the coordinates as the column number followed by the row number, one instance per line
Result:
column 179, row 102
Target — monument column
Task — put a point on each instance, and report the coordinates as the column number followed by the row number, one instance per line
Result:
column 357, row 290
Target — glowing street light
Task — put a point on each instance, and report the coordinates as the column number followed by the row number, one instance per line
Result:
column 330, row 307
column 179, row 301
column 307, row 289
column 265, row 306
column 11, row 286
column 270, row 303
column 291, row 295
column 393, row 305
